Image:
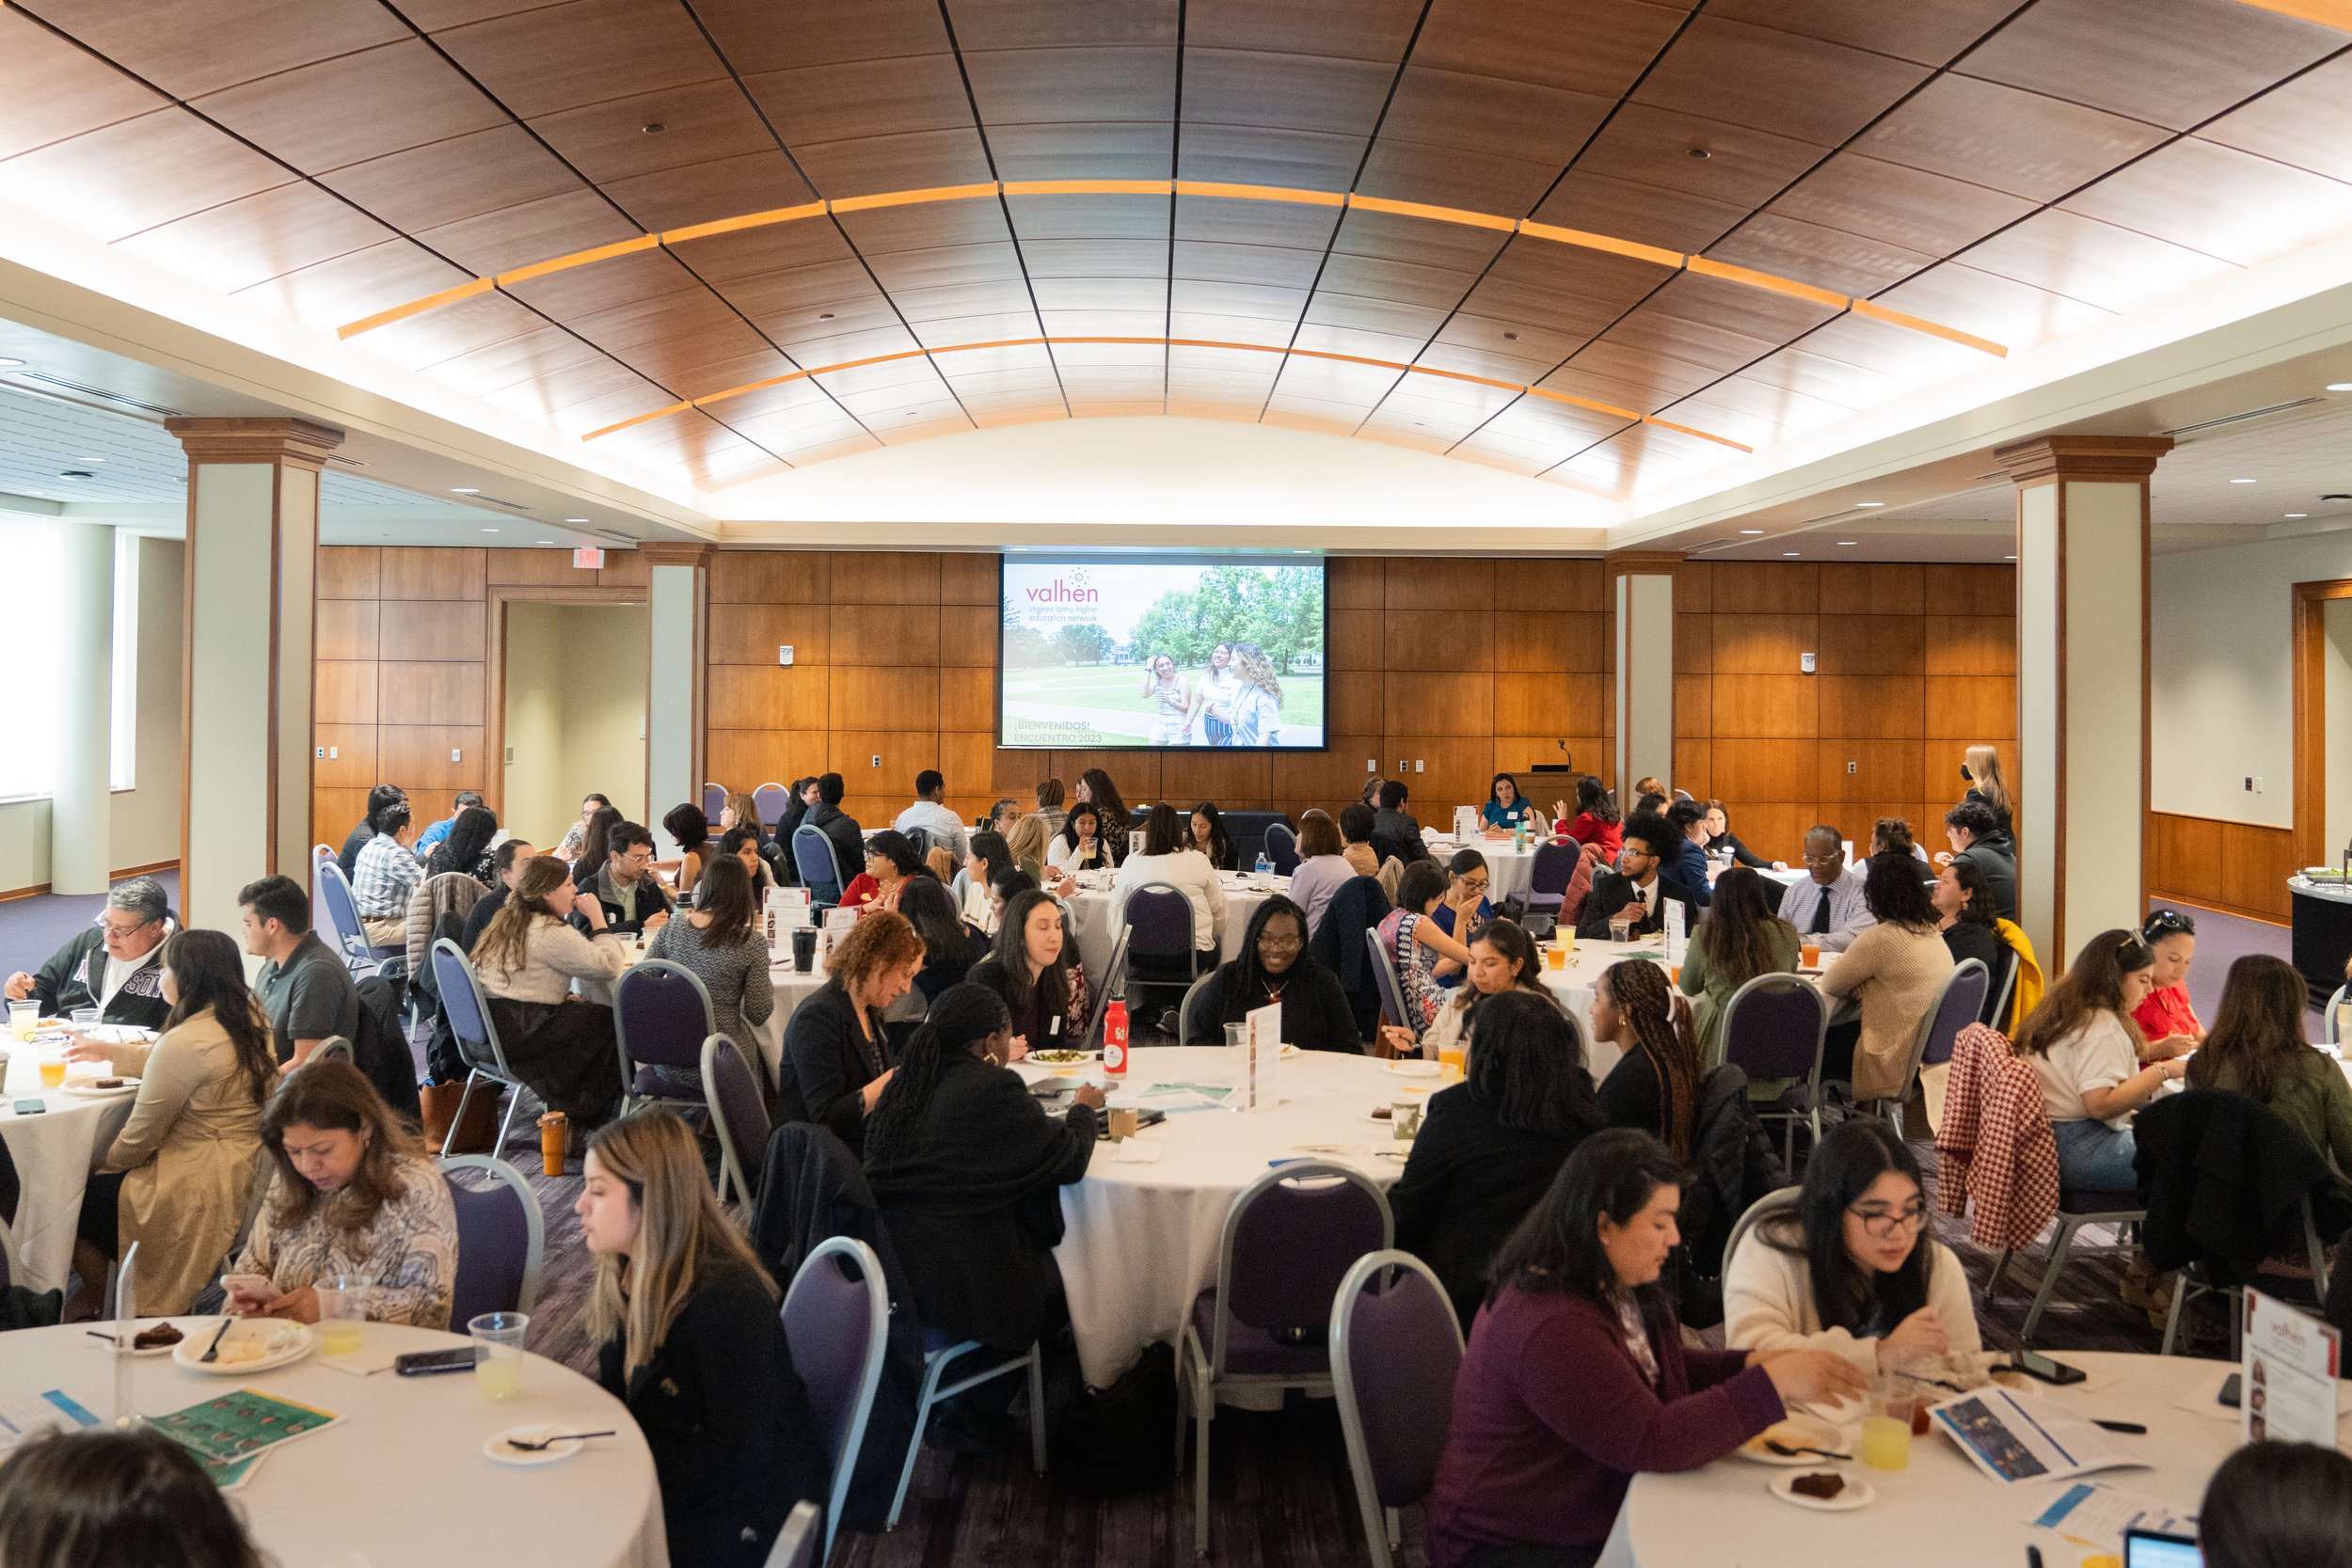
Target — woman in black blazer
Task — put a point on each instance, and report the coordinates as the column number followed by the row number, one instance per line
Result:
column 836, row 1054
column 690, row 1340
column 968, row 1171
column 1721, row 840
column 1274, row 968
column 1490, row 1145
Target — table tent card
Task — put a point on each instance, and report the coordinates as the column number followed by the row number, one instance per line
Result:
column 1261, row 1059
column 2287, row 1387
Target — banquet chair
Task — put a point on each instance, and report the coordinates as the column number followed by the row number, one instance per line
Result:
column 738, row 1112
column 942, row 1349
column 1189, row 1028
column 1159, row 935
column 812, row 856
column 1775, row 1028
column 477, row 1038
column 502, row 1238
column 1289, row 1238
column 1114, row 984
column 1391, row 989
column 334, row 1048
column 1775, row 1201
column 1281, row 848
column 2331, row 1018
column 1997, row 1012
column 347, row 935
column 2077, row 1206
column 1549, row 876
column 1957, row 1003
column 1396, row 1348
column 770, row 800
column 836, row 1325
column 796, row 1543
column 661, row 1017
column 714, row 803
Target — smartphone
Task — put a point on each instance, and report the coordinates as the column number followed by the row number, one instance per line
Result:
column 31, row 1107
column 2034, row 1364
column 2230, row 1390
column 430, row 1363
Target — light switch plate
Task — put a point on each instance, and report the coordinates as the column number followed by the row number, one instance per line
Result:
column 1418, row 764
column 1372, row 765
column 1807, row 663
column 334, row 754
column 783, row 653
column 454, row 755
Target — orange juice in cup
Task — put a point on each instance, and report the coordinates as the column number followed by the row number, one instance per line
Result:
column 1808, row 955
column 1556, row 956
column 1453, row 1058
column 52, row 1066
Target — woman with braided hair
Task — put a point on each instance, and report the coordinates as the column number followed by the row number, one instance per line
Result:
column 1655, row 1085
column 967, row 1170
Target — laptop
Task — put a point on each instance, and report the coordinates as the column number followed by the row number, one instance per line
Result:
column 2144, row 1549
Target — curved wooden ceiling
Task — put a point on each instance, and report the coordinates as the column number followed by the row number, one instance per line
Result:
column 2007, row 170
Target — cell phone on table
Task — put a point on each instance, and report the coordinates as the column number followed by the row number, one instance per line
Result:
column 2230, row 1391
column 2146, row 1548
column 430, row 1363
column 31, row 1107
column 2033, row 1364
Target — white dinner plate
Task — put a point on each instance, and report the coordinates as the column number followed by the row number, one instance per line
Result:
column 88, row 1089
column 1791, row 1431
column 1063, row 1058
column 495, row 1447
column 295, row 1340
column 1417, row 1069
column 1857, row 1494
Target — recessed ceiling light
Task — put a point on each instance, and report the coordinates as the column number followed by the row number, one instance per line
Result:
column 2009, row 558
column 1870, row 504
column 824, row 315
column 464, row 490
column 89, row 462
column 1751, row 531
column 2241, row 481
column 1791, row 555
column 1849, row 542
column 546, row 541
column 575, row 519
column 1701, row 152
column 653, row 128
column 2298, row 514
column 7, row 364
column 2332, row 386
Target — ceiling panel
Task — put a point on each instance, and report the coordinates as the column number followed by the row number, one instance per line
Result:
column 189, row 47
column 2098, row 263
column 1232, row 154
column 2173, row 62
column 1030, row 87
column 1827, row 258
column 1649, row 214
column 256, row 238
column 495, row 242
column 460, row 176
column 915, row 160
column 50, row 90
column 328, row 293
column 1083, row 149
column 671, row 198
column 134, row 174
column 1931, row 32
column 851, row 100
column 562, row 57
column 1297, row 93
column 1610, row 42
column 1808, row 88
column 2001, row 136
column 355, row 107
column 2220, row 201
column 1896, row 205
column 2307, row 123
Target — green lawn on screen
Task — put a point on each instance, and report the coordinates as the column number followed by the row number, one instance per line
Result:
column 1086, row 688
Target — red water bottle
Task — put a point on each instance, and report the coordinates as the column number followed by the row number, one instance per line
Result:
column 1115, row 1038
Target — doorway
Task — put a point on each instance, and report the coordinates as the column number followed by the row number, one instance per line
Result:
column 574, row 713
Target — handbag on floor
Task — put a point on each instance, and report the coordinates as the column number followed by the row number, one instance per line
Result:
column 1112, row 1441
column 479, row 1135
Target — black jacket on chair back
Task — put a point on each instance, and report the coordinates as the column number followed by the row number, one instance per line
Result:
column 2223, row 1176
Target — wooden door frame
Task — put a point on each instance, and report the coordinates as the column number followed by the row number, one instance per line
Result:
column 497, row 596
column 2309, row 654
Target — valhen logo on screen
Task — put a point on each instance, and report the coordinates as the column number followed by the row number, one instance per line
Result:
column 1072, row 589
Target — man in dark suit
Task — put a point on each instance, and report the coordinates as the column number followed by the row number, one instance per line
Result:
column 1639, row 881
column 1394, row 831
column 1975, row 832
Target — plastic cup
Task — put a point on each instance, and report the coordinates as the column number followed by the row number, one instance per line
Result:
column 1808, row 955
column 1886, row 1426
column 21, row 1016
column 1556, row 956
column 52, row 1066
column 86, row 1019
column 1238, row 1035
column 555, row 1128
column 1453, row 1059
column 342, row 1307
column 1620, row 927
column 497, row 1354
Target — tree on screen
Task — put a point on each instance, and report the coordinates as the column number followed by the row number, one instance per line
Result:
column 1280, row 610
column 1083, row 644
column 1024, row 646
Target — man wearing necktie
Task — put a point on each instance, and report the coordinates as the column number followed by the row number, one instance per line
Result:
column 1827, row 905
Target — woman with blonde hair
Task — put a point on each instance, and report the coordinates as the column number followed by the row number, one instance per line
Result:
column 689, row 1338
column 836, row 1058
column 527, row 958
column 352, row 1195
column 1257, row 703
column 1980, row 768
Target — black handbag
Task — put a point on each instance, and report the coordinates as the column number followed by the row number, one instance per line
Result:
column 1114, row 1440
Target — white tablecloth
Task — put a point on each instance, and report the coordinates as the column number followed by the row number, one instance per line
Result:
column 54, row 1151
column 1509, row 872
column 1091, row 916
column 1142, row 1239
column 1573, row 986
column 402, row 1479
column 1941, row 1512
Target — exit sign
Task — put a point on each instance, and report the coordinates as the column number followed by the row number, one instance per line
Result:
column 588, row 556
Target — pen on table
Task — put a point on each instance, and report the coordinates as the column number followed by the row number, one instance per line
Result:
column 2033, row 1556
column 2132, row 1427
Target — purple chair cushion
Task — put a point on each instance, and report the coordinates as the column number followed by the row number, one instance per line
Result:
column 1402, row 1357
column 734, row 1098
column 459, row 1005
column 1964, row 1000
column 1773, row 1033
column 825, row 1323
column 1294, row 1245
column 662, row 1018
column 1159, row 925
column 1553, row 869
column 1254, row 1352
column 2090, row 1201
column 493, row 1248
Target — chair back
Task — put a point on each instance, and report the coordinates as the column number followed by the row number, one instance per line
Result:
column 812, row 856
column 1957, row 1006
column 837, row 1324
column 2273, row 1158
column 1396, row 1348
column 1773, row 1202
column 334, row 1048
column 2331, row 1021
column 1289, row 1238
column 1553, row 869
column 467, row 1010
column 1995, row 1014
column 738, row 1110
column 502, row 1238
column 1114, row 983
column 1383, row 976
column 341, row 911
column 1281, row 848
column 1775, row 1027
column 796, row 1543
column 714, row 805
column 322, row 852
column 770, row 800
column 1190, row 1028
column 1159, row 923
column 920, row 841
column 661, row 1017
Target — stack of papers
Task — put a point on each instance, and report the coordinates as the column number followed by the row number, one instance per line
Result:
column 2013, row 1439
column 22, row 1419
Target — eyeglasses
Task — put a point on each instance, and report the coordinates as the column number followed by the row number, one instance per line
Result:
column 639, row 856
column 1829, row 857
column 115, row 929
column 1472, row 885
column 1884, row 1223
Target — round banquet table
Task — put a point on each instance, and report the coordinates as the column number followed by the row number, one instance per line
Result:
column 1141, row 1239
column 54, row 1150
column 1510, row 872
column 1091, row 916
column 402, row 1478
column 1941, row 1511
column 1573, row 987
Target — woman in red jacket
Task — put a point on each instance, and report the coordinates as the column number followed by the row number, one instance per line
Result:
column 1596, row 820
column 1576, row 1380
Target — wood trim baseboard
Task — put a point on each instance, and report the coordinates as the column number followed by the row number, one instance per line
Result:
column 2157, row 895
column 114, row 876
column 2224, row 821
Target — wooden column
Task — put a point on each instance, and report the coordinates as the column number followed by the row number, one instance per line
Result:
column 252, row 565
column 2081, row 779
column 676, row 721
column 1642, row 583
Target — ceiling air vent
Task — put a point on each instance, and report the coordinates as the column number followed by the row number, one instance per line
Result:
column 2241, row 417
column 117, row 398
column 615, row 534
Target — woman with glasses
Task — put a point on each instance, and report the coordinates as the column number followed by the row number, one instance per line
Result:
column 1466, row 891
column 2082, row 1045
column 2166, row 1022
column 1851, row 1268
column 1274, row 970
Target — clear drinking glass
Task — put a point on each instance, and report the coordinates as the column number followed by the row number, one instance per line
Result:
column 342, row 1307
column 498, row 1354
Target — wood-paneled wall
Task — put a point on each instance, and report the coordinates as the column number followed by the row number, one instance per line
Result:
column 403, row 669
column 2237, row 867
column 1915, row 663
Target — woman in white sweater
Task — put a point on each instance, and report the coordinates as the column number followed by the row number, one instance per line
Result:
column 527, row 958
column 1166, row 858
column 1851, row 1270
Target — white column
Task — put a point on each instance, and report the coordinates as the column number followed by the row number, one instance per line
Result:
column 81, row 810
column 1644, row 588
column 679, row 625
column 252, row 561
column 2082, row 685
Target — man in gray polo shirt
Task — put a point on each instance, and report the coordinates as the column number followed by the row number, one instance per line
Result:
column 304, row 989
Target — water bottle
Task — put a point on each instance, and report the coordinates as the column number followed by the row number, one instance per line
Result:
column 1115, row 1038
column 1266, row 865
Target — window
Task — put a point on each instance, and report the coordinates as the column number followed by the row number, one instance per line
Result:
column 123, row 771
column 32, row 569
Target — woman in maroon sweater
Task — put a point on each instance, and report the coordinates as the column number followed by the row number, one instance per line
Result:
column 1576, row 1379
